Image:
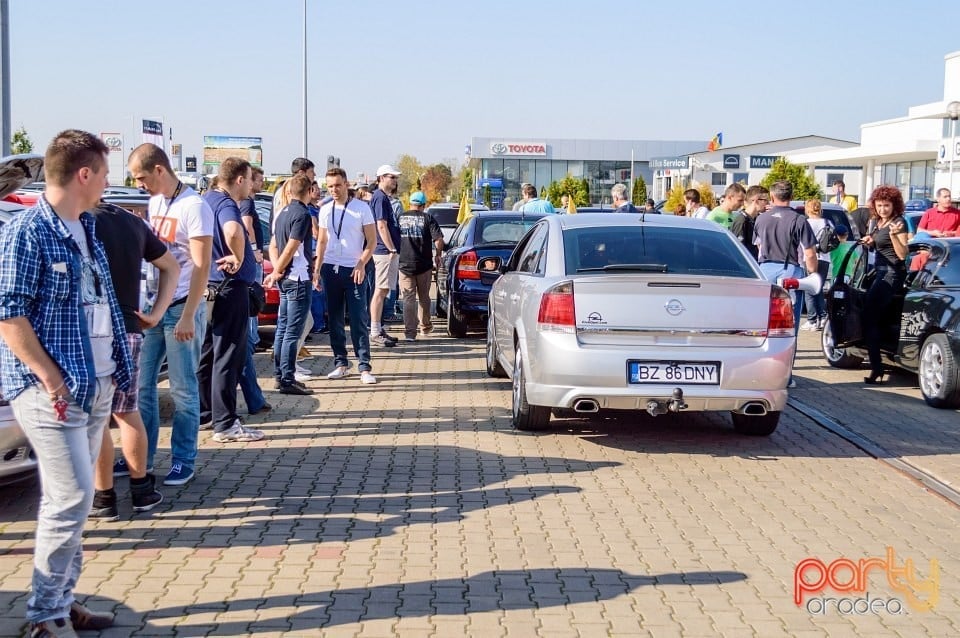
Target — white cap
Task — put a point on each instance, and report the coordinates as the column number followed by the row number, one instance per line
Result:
column 387, row 169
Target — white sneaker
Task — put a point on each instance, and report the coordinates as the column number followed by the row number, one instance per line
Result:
column 307, row 372
column 339, row 372
column 809, row 326
column 303, row 378
column 367, row 377
column 238, row 434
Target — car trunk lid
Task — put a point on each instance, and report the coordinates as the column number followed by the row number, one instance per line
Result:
column 671, row 310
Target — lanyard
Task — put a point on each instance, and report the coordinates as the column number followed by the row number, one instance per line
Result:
column 176, row 194
column 333, row 212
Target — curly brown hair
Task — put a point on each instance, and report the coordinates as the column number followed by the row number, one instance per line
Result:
column 887, row 193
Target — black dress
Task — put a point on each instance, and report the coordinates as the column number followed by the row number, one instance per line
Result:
column 891, row 273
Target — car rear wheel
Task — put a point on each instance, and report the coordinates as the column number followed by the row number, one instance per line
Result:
column 755, row 424
column 494, row 369
column 455, row 327
column 938, row 373
column 525, row 416
column 836, row 357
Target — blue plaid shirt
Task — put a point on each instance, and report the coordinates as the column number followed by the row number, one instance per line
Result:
column 40, row 270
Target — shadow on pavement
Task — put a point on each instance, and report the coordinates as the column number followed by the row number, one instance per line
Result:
column 275, row 496
column 488, row 591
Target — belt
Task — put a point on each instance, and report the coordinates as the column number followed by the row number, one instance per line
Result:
column 178, row 302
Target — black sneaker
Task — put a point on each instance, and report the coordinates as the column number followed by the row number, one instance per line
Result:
column 145, row 495
column 386, row 335
column 295, row 388
column 105, row 506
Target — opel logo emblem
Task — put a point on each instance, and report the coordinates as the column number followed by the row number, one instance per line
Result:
column 674, row 307
column 498, row 149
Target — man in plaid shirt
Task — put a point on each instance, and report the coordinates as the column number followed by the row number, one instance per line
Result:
column 63, row 353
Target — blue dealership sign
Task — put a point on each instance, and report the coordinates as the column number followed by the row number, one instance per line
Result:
column 731, row 161
column 763, row 161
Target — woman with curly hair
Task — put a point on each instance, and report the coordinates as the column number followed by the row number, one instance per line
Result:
column 887, row 238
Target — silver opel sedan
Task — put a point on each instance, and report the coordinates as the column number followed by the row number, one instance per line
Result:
column 652, row 313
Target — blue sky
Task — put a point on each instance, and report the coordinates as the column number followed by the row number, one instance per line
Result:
column 421, row 77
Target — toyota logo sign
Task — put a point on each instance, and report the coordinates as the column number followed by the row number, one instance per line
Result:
column 498, row 149
column 114, row 141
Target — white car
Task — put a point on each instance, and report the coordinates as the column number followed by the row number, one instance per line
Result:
column 650, row 313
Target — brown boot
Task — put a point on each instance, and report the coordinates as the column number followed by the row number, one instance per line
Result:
column 53, row 628
column 84, row 619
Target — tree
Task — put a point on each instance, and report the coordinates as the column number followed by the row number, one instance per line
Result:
column 487, row 196
column 462, row 183
column 639, row 191
column 675, row 198
column 804, row 186
column 410, row 170
column 585, row 190
column 570, row 186
column 20, row 142
column 435, row 182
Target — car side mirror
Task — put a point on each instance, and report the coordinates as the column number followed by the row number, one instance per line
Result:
column 490, row 269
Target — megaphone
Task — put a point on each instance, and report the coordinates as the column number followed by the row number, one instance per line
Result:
column 812, row 283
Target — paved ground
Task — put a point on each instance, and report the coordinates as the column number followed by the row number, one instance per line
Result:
column 411, row 508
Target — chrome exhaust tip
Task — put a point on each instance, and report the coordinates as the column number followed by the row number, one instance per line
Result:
column 754, row 408
column 586, row 406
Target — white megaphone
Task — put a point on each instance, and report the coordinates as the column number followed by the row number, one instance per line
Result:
column 812, row 283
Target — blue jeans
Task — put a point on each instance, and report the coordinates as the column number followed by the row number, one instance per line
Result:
column 291, row 317
column 183, row 361
column 816, row 304
column 252, row 394
column 66, row 452
column 343, row 294
column 318, row 308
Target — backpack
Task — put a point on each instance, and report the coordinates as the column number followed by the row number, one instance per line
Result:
column 827, row 239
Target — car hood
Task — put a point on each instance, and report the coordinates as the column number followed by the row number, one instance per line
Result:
column 19, row 170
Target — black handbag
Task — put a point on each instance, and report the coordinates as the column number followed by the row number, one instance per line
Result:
column 258, row 298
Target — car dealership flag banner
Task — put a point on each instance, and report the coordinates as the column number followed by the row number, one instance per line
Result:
column 153, row 132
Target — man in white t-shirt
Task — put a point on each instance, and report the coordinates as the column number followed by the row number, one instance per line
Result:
column 346, row 237
column 184, row 223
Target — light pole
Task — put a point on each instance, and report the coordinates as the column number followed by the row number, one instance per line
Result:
column 304, row 78
column 953, row 111
column 5, row 131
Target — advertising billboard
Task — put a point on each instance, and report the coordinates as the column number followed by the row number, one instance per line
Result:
column 217, row 148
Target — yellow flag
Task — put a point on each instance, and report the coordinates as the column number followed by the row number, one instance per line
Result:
column 465, row 212
column 571, row 207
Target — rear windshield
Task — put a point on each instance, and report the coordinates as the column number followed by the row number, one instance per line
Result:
column 503, row 231
column 445, row 216
column 686, row 251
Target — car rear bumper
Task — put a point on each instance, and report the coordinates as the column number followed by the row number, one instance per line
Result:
column 560, row 372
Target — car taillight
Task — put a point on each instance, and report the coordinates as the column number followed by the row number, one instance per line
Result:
column 467, row 266
column 780, row 322
column 556, row 309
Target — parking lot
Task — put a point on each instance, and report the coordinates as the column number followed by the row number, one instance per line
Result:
column 411, row 508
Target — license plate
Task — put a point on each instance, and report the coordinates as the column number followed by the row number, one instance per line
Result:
column 676, row 372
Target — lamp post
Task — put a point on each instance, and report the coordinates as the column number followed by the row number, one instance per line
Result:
column 953, row 111
column 304, row 78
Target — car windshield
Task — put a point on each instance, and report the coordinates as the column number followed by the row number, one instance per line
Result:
column 642, row 248
column 503, row 231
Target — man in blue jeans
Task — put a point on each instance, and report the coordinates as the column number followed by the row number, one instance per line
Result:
column 249, row 385
column 346, row 237
column 184, row 223
column 291, row 255
column 64, row 352
column 782, row 235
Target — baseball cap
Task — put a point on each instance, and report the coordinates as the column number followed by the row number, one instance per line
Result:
column 387, row 169
column 418, row 198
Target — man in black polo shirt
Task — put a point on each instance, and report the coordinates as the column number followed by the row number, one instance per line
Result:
column 231, row 273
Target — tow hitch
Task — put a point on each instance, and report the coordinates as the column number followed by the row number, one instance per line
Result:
column 675, row 404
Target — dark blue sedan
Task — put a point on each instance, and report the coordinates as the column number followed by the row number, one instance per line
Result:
column 461, row 293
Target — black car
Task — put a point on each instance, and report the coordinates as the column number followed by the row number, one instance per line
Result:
column 921, row 324
column 461, row 294
column 835, row 213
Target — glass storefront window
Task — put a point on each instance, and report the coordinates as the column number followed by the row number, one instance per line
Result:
column 543, row 175
column 527, row 171
column 575, row 168
column 558, row 169
column 491, row 168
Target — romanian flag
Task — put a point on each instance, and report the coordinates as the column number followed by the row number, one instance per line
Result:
column 716, row 142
